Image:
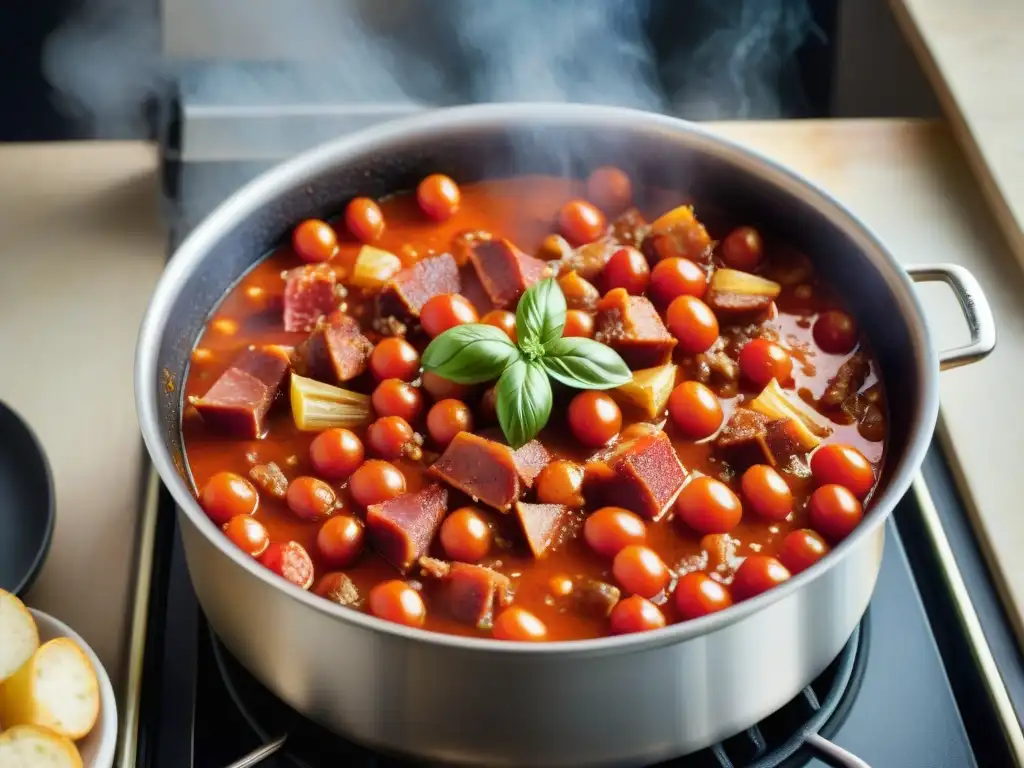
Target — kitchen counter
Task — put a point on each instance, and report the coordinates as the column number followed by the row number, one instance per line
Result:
column 85, row 244
column 971, row 53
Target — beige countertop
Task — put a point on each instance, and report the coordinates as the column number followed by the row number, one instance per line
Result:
column 85, row 244
column 971, row 51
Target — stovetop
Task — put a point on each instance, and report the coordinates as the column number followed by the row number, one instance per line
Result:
column 914, row 688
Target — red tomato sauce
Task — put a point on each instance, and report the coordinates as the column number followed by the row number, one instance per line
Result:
column 526, row 211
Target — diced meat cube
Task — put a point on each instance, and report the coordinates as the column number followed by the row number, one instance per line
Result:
column 309, row 294
column 402, row 528
column 505, row 271
column 335, row 352
column 473, row 592
column 542, row 525
column 240, row 398
column 678, row 234
column 339, row 588
column 630, row 228
column 734, row 307
column 632, row 327
column 848, row 380
column 414, row 286
column 592, row 598
column 588, row 260
column 752, row 438
column 464, row 242
column 643, row 475
column 481, row 468
column 270, row 479
column 530, row 460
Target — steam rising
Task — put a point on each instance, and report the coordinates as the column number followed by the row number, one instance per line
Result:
column 713, row 59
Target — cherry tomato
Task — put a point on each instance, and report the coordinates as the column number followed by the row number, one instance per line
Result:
column 443, row 312
column 697, row 594
column 446, row 419
column 394, row 358
column 578, row 323
column 743, row 249
column 767, row 492
column 310, row 498
column 834, row 512
column 609, row 530
column 635, row 614
column 835, row 332
column 466, row 536
column 441, row 388
column 843, row 465
column 695, row 410
column 757, row 574
column 398, row 602
column 693, row 323
column 340, row 541
column 314, row 241
column 394, row 397
column 438, row 197
column 627, row 268
column 336, row 453
column 801, row 549
column 639, row 570
column 388, row 437
column 248, row 534
column 489, row 405
column 580, row 222
column 675, row 277
column 518, row 624
column 708, row 505
column 609, row 189
column 226, row 495
column 503, row 320
column 561, row 482
column 762, row 360
column 594, row 418
column 289, row 560
column 375, row 482
column 364, row 220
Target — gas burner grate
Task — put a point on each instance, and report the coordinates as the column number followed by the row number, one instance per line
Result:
column 785, row 739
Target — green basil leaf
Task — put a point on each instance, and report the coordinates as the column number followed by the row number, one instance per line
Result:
column 524, row 401
column 540, row 316
column 470, row 354
column 585, row 364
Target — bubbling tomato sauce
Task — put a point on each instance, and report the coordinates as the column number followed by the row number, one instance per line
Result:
column 732, row 522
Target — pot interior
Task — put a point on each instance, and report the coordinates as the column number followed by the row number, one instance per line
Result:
column 656, row 152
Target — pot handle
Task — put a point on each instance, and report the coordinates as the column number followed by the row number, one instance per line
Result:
column 975, row 307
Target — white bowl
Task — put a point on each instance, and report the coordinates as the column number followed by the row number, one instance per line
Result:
column 97, row 749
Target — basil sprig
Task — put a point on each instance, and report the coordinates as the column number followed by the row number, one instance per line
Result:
column 475, row 353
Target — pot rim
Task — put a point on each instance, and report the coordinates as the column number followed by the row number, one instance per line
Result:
column 433, row 125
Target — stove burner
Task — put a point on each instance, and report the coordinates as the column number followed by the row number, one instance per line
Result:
column 785, row 739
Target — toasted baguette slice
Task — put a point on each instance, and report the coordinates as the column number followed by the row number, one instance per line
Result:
column 31, row 746
column 56, row 689
column 19, row 636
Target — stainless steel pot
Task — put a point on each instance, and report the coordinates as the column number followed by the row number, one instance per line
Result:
column 621, row 700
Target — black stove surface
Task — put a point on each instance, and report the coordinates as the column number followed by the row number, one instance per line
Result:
column 907, row 692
